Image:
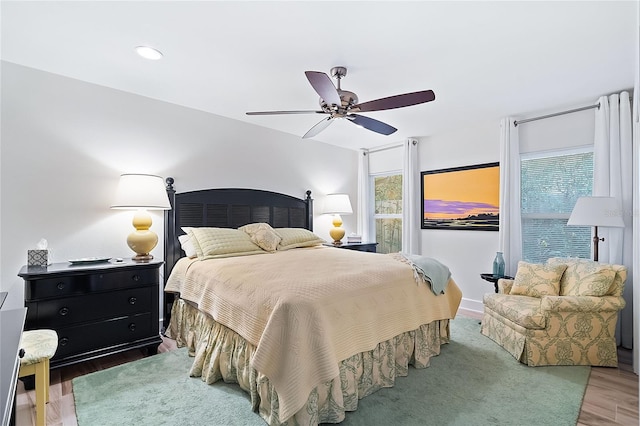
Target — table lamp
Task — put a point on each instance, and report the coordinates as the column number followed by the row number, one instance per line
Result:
column 337, row 204
column 141, row 192
column 596, row 211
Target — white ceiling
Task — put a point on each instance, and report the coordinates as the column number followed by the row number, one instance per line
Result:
column 482, row 59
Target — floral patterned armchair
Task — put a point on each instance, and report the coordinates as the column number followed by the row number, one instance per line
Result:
column 563, row 312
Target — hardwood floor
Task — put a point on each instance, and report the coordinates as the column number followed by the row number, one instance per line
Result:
column 611, row 397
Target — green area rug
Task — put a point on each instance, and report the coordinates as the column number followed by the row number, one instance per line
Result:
column 472, row 382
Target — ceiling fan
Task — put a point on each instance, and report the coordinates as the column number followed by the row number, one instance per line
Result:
column 338, row 103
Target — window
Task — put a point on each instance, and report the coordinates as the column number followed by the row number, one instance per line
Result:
column 551, row 182
column 387, row 213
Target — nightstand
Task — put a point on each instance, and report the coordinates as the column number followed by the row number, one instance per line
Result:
column 369, row 247
column 97, row 309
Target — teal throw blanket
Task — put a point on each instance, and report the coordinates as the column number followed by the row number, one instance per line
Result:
column 430, row 270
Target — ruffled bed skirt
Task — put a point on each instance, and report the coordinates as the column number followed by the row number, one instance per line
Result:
column 220, row 353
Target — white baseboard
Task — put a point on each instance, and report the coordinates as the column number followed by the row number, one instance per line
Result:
column 471, row 305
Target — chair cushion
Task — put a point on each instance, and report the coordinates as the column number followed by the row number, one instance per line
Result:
column 522, row 310
column 537, row 280
column 617, row 287
column 38, row 345
column 584, row 277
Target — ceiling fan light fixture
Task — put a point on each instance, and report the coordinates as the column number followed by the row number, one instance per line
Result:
column 148, row 52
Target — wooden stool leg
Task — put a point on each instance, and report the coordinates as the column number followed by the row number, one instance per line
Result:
column 48, row 378
column 41, row 393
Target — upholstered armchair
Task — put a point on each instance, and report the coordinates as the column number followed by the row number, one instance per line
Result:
column 563, row 312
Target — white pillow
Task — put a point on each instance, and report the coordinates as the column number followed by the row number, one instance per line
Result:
column 187, row 246
column 222, row 242
column 297, row 237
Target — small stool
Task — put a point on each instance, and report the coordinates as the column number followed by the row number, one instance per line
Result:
column 39, row 346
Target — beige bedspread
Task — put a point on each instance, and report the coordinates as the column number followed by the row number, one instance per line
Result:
column 307, row 309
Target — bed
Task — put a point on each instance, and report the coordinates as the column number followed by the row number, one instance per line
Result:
column 307, row 330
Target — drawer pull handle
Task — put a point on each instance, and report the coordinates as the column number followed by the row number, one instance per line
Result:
column 64, row 341
column 132, row 326
column 132, row 300
column 63, row 311
column 136, row 277
column 60, row 286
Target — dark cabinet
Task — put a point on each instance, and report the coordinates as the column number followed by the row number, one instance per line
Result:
column 96, row 309
column 369, row 247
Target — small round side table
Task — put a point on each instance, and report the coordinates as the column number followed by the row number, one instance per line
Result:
column 494, row 279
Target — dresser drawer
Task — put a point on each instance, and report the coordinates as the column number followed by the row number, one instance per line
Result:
column 80, row 339
column 94, row 306
column 67, row 285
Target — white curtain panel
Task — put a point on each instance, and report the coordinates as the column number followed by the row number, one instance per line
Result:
column 510, row 234
column 634, row 281
column 363, row 196
column 613, row 176
column 410, row 198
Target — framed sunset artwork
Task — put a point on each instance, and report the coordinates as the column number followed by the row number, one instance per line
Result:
column 462, row 198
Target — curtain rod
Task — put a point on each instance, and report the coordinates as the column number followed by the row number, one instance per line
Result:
column 391, row 145
column 516, row 122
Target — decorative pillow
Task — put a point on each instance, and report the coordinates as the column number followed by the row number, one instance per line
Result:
column 585, row 277
column 263, row 235
column 187, row 246
column 537, row 280
column 297, row 237
column 213, row 243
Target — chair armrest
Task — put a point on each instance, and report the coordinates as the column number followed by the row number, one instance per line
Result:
column 582, row 303
column 504, row 285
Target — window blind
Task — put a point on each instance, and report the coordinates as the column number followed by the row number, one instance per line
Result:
column 551, row 182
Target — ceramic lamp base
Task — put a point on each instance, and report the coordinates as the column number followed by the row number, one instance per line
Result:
column 142, row 240
column 337, row 232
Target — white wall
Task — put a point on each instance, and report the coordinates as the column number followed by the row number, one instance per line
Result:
column 470, row 253
column 66, row 142
column 467, row 253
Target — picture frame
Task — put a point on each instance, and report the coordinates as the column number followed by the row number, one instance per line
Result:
column 463, row 198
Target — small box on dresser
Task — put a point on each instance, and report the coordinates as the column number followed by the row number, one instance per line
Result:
column 96, row 309
column 38, row 257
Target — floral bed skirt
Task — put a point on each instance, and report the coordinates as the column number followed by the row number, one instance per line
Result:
column 220, row 353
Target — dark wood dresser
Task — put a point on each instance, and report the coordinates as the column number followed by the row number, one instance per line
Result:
column 368, row 247
column 96, row 309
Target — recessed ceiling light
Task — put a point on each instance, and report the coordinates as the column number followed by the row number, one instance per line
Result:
column 149, row 52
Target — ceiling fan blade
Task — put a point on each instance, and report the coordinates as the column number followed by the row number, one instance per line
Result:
column 284, row 112
column 371, row 124
column 397, row 101
column 318, row 128
column 323, row 85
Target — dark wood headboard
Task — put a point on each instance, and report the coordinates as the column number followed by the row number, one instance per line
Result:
column 226, row 208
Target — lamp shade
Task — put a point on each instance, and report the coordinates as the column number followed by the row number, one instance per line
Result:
column 137, row 191
column 337, row 204
column 597, row 211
